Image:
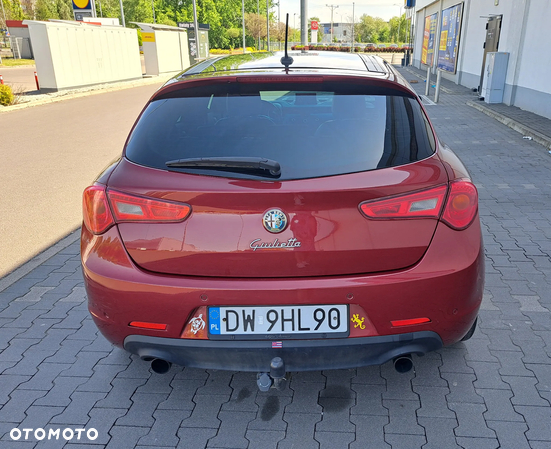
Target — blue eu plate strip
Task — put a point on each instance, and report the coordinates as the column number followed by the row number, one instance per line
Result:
column 214, row 320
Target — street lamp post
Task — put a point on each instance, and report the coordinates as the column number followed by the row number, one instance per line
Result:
column 268, row 24
column 333, row 7
column 399, row 19
column 4, row 12
column 243, row 21
column 277, row 23
column 122, row 13
column 353, row 25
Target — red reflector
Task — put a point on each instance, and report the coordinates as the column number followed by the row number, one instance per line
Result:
column 135, row 208
column 280, row 79
column 461, row 206
column 95, row 210
column 423, row 204
column 143, row 325
column 411, row 322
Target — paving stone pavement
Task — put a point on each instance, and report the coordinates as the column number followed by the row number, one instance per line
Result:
column 493, row 391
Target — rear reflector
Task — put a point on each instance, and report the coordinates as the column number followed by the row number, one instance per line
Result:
column 133, row 208
column 423, row 204
column 152, row 326
column 411, row 322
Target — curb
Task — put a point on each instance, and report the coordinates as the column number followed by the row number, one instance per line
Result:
column 538, row 137
column 90, row 90
column 39, row 259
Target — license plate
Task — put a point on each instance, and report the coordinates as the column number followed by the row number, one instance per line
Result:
column 277, row 320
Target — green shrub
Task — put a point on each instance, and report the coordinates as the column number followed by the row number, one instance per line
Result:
column 6, row 95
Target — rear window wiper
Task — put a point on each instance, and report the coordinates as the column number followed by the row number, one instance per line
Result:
column 251, row 163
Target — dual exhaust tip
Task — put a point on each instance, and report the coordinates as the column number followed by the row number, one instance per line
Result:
column 402, row 364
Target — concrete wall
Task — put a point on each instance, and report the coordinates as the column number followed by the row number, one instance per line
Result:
column 524, row 35
column 73, row 54
column 529, row 84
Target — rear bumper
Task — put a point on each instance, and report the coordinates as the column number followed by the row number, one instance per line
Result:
column 446, row 286
column 298, row 355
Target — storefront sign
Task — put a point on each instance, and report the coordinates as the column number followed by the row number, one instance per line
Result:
column 427, row 52
column 450, row 31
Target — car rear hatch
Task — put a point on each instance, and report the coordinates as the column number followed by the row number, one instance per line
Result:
column 334, row 150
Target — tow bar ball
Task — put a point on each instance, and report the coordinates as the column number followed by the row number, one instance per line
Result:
column 275, row 378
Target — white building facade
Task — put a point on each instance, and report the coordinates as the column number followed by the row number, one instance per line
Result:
column 522, row 31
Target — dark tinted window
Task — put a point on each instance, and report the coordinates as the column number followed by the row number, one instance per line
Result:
column 310, row 132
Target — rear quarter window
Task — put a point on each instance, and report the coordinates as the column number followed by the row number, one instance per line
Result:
column 310, row 130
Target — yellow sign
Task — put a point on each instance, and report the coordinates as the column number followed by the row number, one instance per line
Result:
column 148, row 37
column 82, row 4
column 443, row 40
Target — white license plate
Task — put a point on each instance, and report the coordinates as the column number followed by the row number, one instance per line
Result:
column 322, row 319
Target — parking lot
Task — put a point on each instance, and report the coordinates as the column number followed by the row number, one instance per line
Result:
column 493, row 391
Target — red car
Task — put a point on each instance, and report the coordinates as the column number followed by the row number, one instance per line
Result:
column 271, row 216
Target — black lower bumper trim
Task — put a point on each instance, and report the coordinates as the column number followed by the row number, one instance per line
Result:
column 298, row 355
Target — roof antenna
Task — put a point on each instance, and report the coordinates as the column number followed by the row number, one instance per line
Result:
column 286, row 60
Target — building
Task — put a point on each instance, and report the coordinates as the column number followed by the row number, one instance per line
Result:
column 516, row 27
column 342, row 31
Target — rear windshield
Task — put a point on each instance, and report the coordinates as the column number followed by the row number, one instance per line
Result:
column 310, row 132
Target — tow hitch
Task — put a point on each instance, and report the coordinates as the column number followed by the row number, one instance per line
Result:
column 275, row 378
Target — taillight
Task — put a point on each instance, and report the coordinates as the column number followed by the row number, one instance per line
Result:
column 102, row 209
column 135, row 208
column 457, row 211
column 424, row 204
column 95, row 210
column 461, row 206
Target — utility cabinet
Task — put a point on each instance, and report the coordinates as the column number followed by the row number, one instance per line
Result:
column 495, row 73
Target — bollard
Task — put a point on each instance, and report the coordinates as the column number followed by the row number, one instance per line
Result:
column 437, row 92
column 1, row 80
column 427, row 87
column 36, row 79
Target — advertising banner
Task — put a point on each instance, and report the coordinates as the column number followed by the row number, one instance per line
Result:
column 427, row 52
column 450, row 31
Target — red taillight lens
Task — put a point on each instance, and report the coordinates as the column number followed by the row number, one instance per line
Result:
column 424, row 204
column 134, row 208
column 95, row 210
column 461, row 206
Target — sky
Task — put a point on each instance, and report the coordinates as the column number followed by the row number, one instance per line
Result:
column 317, row 8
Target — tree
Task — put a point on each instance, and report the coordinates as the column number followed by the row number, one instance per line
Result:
column 44, row 10
column 14, row 10
column 372, row 29
column 234, row 34
column 255, row 25
column 52, row 9
column 398, row 28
